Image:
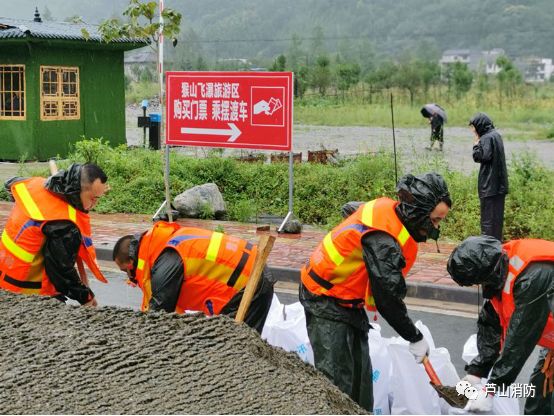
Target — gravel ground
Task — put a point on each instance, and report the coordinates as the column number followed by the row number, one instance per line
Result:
column 60, row 359
column 410, row 143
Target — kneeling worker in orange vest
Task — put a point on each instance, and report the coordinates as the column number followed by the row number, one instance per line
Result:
column 48, row 230
column 518, row 282
column 185, row 268
column 363, row 262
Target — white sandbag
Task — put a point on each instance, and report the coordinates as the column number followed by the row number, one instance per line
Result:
column 411, row 392
column 285, row 327
column 470, row 349
column 382, row 368
column 400, row 385
column 410, row 388
column 442, row 364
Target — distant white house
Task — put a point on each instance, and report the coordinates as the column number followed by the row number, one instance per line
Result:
column 535, row 69
column 475, row 60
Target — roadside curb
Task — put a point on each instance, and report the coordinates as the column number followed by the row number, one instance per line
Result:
column 416, row 290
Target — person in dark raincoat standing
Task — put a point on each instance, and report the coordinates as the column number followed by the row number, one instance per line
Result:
column 437, row 117
column 488, row 150
column 518, row 282
column 361, row 264
column 48, row 231
column 437, row 130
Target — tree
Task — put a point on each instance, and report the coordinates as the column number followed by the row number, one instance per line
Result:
column 169, row 27
column 461, row 79
column 408, row 77
column 458, row 78
column 430, row 74
column 365, row 55
column 296, row 54
column 135, row 27
column 279, row 64
column 301, row 81
column 316, row 48
column 146, row 76
column 482, row 85
column 347, row 75
column 201, row 64
column 381, row 78
column 509, row 78
column 321, row 74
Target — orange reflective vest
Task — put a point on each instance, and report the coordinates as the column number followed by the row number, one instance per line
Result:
column 21, row 260
column 217, row 266
column 336, row 268
column 521, row 253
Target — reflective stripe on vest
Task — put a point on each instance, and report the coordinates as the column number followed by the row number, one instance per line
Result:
column 367, row 219
column 16, row 250
column 213, row 248
column 28, row 202
column 332, row 250
column 140, row 264
column 19, row 251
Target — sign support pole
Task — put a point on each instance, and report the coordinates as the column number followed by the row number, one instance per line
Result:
column 162, row 104
column 289, row 214
column 291, row 162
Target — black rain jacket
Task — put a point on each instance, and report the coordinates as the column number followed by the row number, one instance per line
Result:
column 63, row 238
column 489, row 152
column 534, row 301
column 384, row 262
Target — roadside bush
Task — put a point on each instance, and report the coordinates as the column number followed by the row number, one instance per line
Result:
column 529, row 211
column 250, row 189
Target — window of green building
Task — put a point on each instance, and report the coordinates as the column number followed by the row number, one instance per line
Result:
column 59, row 93
column 12, row 92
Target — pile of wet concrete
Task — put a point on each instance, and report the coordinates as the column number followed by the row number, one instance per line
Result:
column 57, row 359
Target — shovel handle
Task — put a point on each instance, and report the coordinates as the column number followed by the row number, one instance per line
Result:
column 264, row 247
column 431, row 371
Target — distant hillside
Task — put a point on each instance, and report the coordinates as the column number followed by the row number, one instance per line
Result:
column 521, row 28
column 228, row 28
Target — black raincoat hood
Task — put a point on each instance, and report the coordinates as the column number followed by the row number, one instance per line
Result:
column 482, row 123
column 478, row 260
column 67, row 185
column 134, row 245
column 419, row 195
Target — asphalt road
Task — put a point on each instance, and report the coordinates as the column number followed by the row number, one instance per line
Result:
column 450, row 328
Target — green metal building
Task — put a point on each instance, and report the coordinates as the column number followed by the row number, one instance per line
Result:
column 58, row 82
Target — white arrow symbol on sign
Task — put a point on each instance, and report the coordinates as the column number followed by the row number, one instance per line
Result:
column 233, row 131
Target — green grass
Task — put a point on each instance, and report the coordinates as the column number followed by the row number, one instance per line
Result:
column 138, row 91
column 530, row 115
